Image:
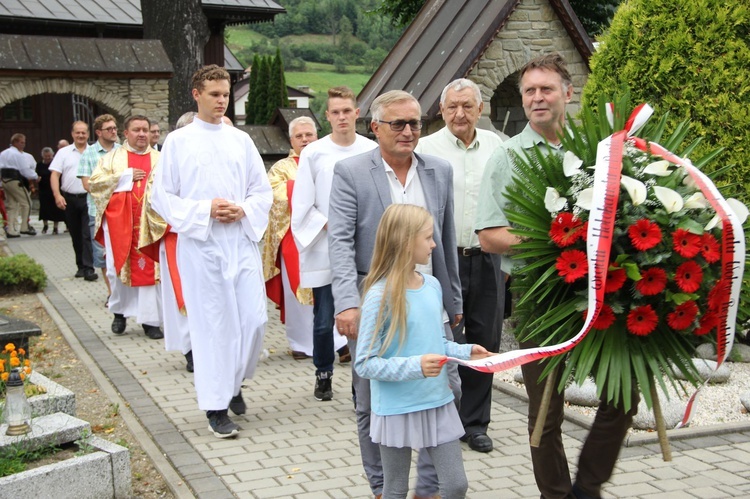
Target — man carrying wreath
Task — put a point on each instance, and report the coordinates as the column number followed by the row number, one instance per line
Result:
column 546, row 88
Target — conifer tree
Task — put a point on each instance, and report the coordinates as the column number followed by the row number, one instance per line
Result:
column 251, row 103
column 262, row 114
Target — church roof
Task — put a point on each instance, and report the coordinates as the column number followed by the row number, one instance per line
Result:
column 128, row 12
column 445, row 41
column 20, row 54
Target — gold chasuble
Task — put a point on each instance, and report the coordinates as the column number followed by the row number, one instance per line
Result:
column 280, row 176
column 123, row 210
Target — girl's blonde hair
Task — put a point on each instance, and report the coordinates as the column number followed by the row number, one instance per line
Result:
column 392, row 261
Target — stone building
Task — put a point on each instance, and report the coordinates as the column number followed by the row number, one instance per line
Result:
column 487, row 41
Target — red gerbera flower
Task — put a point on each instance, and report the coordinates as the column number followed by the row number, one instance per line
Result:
column 583, row 231
column 719, row 294
column 572, row 265
column 564, row 229
column 710, row 248
column 707, row 323
column 616, row 277
column 689, row 276
column 644, row 234
column 683, row 316
column 642, row 320
column 605, row 318
column 652, row 281
column 685, row 243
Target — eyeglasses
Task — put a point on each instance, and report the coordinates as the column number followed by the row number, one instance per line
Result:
column 110, row 129
column 399, row 125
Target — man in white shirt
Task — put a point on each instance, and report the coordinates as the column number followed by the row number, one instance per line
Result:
column 17, row 168
column 312, row 192
column 467, row 149
column 71, row 197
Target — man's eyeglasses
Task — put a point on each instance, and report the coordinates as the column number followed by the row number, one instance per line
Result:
column 399, row 125
column 110, row 129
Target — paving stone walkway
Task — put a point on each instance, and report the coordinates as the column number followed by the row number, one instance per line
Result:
column 292, row 446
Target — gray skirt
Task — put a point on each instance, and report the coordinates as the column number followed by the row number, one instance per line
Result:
column 428, row 428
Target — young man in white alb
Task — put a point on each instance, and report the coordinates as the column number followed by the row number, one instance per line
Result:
column 312, row 192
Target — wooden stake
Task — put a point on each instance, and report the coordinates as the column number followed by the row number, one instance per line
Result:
column 661, row 429
column 541, row 417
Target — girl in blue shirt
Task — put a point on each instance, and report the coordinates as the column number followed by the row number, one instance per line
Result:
column 402, row 350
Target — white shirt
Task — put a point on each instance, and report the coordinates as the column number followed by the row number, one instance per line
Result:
column 18, row 160
column 310, row 203
column 410, row 192
column 468, row 168
column 65, row 163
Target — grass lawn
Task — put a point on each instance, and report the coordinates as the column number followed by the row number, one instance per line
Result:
column 240, row 38
column 321, row 81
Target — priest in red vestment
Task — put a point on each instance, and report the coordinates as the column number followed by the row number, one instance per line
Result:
column 118, row 186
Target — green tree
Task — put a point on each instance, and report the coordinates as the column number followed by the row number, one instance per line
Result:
column 690, row 59
column 252, row 93
column 261, row 108
column 593, row 14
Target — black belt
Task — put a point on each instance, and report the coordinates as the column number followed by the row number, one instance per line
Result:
column 10, row 174
column 79, row 196
column 469, row 251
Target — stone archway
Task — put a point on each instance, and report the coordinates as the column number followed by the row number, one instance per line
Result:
column 123, row 96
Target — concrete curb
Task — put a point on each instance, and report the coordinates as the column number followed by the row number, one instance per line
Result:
column 50, row 299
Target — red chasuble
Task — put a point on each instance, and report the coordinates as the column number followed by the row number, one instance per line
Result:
column 124, row 220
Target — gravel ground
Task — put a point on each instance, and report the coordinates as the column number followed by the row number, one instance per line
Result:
column 717, row 403
column 52, row 356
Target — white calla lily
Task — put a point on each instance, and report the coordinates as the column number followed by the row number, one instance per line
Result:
column 688, row 181
column 571, row 164
column 658, row 168
column 553, row 202
column 696, row 202
column 670, row 199
column 585, row 197
column 739, row 209
column 636, row 189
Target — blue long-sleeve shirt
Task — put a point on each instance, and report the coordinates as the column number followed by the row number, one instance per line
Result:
column 398, row 385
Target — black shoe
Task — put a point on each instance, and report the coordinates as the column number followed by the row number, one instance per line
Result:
column 323, row 390
column 118, row 324
column 80, row 273
column 153, row 332
column 30, row 232
column 220, row 424
column 10, row 236
column 479, row 442
column 189, row 361
column 90, row 276
column 45, row 229
column 237, row 404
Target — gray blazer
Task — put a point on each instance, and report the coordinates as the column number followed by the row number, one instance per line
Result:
column 359, row 196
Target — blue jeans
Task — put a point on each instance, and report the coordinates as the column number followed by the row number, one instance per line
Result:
column 323, row 354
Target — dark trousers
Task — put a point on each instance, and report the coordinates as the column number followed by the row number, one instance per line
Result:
column 77, row 220
column 323, row 354
column 600, row 450
column 483, row 292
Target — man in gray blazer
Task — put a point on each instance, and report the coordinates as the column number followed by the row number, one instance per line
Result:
column 363, row 186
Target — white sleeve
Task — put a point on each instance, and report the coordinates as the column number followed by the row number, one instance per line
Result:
column 258, row 196
column 307, row 221
column 188, row 217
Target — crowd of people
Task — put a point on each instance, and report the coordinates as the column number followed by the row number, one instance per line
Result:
column 388, row 251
